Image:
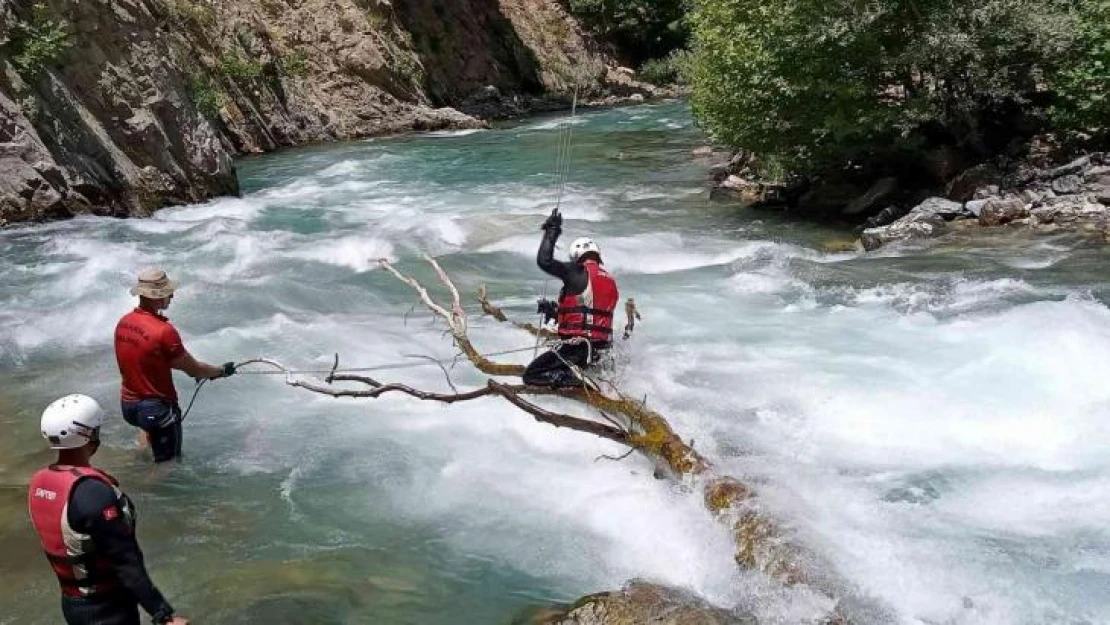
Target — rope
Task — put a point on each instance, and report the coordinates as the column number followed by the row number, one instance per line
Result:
column 562, row 169
column 381, row 367
column 563, row 162
column 196, row 391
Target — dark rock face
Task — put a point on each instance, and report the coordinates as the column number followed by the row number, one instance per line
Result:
column 152, row 99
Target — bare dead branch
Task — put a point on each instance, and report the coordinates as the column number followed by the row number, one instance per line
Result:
column 420, row 290
column 456, row 320
column 439, row 364
column 458, row 315
column 494, row 311
column 616, row 458
column 632, row 315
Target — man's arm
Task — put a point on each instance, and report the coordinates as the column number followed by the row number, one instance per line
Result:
column 182, row 360
column 545, row 258
column 573, row 275
column 95, row 510
column 195, row 368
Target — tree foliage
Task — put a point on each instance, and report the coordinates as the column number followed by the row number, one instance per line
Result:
column 1084, row 84
column 40, row 42
column 820, row 82
column 641, row 29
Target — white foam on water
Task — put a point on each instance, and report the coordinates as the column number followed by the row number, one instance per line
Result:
column 453, row 133
column 651, row 253
column 553, row 124
column 342, row 169
column 938, row 440
column 356, row 252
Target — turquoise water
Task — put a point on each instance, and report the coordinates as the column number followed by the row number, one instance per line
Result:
column 932, row 421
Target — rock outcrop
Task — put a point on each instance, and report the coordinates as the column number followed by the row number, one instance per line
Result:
column 109, row 131
column 637, row 603
column 119, row 107
column 1072, row 197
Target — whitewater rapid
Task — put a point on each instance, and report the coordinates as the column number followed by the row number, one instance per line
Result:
column 933, row 422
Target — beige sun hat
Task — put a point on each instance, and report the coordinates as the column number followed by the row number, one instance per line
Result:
column 154, row 284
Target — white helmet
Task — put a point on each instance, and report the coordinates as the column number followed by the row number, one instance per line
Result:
column 72, row 421
column 582, row 245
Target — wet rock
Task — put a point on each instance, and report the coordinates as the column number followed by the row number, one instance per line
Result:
column 945, row 209
column 963, row 187
column 1031, row 197
column 639, row 603
column 1068, row 184
column 1096, row 173
column 999, row 211
column 927, row 219
column 746, row 191
column 888, row 215
column 901, row 230
column 879, row 191
column 986, row 192
column 1078, row 166
column 975, row 207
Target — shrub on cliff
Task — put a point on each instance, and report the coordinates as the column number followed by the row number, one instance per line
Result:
column 641, row 29
column 823, row 83
column 39, row 42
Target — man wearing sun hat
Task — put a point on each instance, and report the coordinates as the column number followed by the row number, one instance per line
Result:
column 148, row 348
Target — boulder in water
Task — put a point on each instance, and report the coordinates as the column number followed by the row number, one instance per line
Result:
column 998, row 211
column 637, row 603
column 925, row 220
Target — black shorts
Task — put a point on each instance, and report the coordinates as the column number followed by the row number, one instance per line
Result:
column 161, row 420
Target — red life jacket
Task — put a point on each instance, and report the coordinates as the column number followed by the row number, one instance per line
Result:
column 72, row 555
column 590, row 313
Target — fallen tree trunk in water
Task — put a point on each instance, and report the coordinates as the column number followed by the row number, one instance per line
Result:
column 761, row 544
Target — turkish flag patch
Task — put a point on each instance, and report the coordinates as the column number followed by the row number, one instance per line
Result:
column 111, row 513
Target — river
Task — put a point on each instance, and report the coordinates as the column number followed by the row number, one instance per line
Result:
column 933, row 421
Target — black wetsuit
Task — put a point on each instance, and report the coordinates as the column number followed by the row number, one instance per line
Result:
column 551, row 368
column 113, row 533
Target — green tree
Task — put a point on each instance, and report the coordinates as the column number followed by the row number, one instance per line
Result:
column 820, row 82
column 641, row 29
column 1083, row 87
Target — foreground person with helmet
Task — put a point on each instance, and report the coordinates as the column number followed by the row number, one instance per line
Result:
column 583, row 314
column 87, row 525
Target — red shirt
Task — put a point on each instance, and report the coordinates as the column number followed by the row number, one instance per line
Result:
column 145, row 344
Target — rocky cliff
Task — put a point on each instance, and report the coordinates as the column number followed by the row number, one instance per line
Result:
column 119, row 107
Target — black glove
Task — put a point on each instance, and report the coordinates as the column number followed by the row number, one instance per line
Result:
column 228, row 370
column 548, row 308
column 553, row 221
